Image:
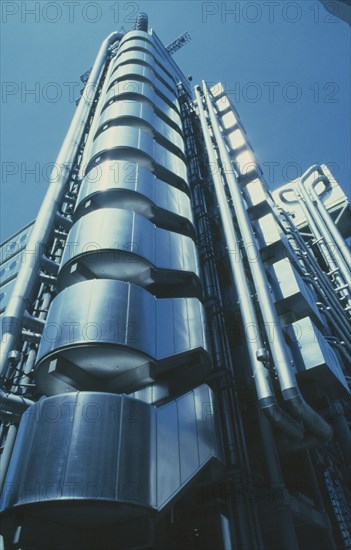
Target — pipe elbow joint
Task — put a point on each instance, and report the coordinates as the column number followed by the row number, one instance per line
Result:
column 281, row 420
column 313, row 422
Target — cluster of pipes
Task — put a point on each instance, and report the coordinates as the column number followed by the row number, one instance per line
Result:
column 299, row 422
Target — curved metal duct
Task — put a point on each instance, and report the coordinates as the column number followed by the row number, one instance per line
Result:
column 142, row 116
column 95, row 122
column 128, row 185
column 143, row 60
column 136, row 71
column 146, row 455
column 138, row 91
column 111, row 243
column 141, row 49
column 138, row 145
column 113, row 336
column 12, row 406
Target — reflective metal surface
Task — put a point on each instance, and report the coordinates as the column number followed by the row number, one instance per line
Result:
column 290, row 390
column 293, row 297
column 314, row 357
column 144, row 455
column 332, row 195
column 128, row 185
column 134, row 90
column 126, row 317
column 144, row 43
column 27, row 277
column 112, row 243
column 115, row 336
column 255, row 346
column 138, row 145
column 142, row 115
column 145, row 73
column 271, row 240
column 143, row 58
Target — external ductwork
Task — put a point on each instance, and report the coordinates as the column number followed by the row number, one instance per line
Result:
column 114, row 336
column 12, row 406
column 127, row 316
column 331, row 254
column 131, row 186
column 299, row 408
column 159, row 451
column 326, row 224
column 167, row 346
column 326, row 236
column 44, row 223
column 256, row 348
column 114, row 243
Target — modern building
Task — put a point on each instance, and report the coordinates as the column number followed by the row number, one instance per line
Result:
column 12, row 255
column 338, row 8
column 175, row 368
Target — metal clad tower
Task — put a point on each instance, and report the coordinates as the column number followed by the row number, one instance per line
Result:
column 175, row 368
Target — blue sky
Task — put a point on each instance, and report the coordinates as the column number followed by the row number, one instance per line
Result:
column 285, row 66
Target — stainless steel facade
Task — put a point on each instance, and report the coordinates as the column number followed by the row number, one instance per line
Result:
column 111, row 480
column 176, row 355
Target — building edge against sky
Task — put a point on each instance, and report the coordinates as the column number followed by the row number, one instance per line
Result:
column 176, row 345
column 339, row 8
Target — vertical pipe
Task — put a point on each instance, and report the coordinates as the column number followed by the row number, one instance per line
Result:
column 320, row 240
column 332, row 228
column 254, row 341
column 317, row 277
column 333, row 257
column 29, row 366
column 6, row 454
column 94, row 125
column 236, row 441
column 290, row 391
column 284, row 516
column 237, row 268
column 326, row 254
column 323, row 172
column 43, row 226
column 342, row 430
column 259, row 277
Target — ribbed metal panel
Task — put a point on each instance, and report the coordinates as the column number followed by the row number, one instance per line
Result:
column 103, row 458
column 114, row 336
column 139, row 145
column 143, row 59
column 118, row 244
column 138, row 114
column 135, row 71
column 134, row 90
column 143, row 42
column 126, row 184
